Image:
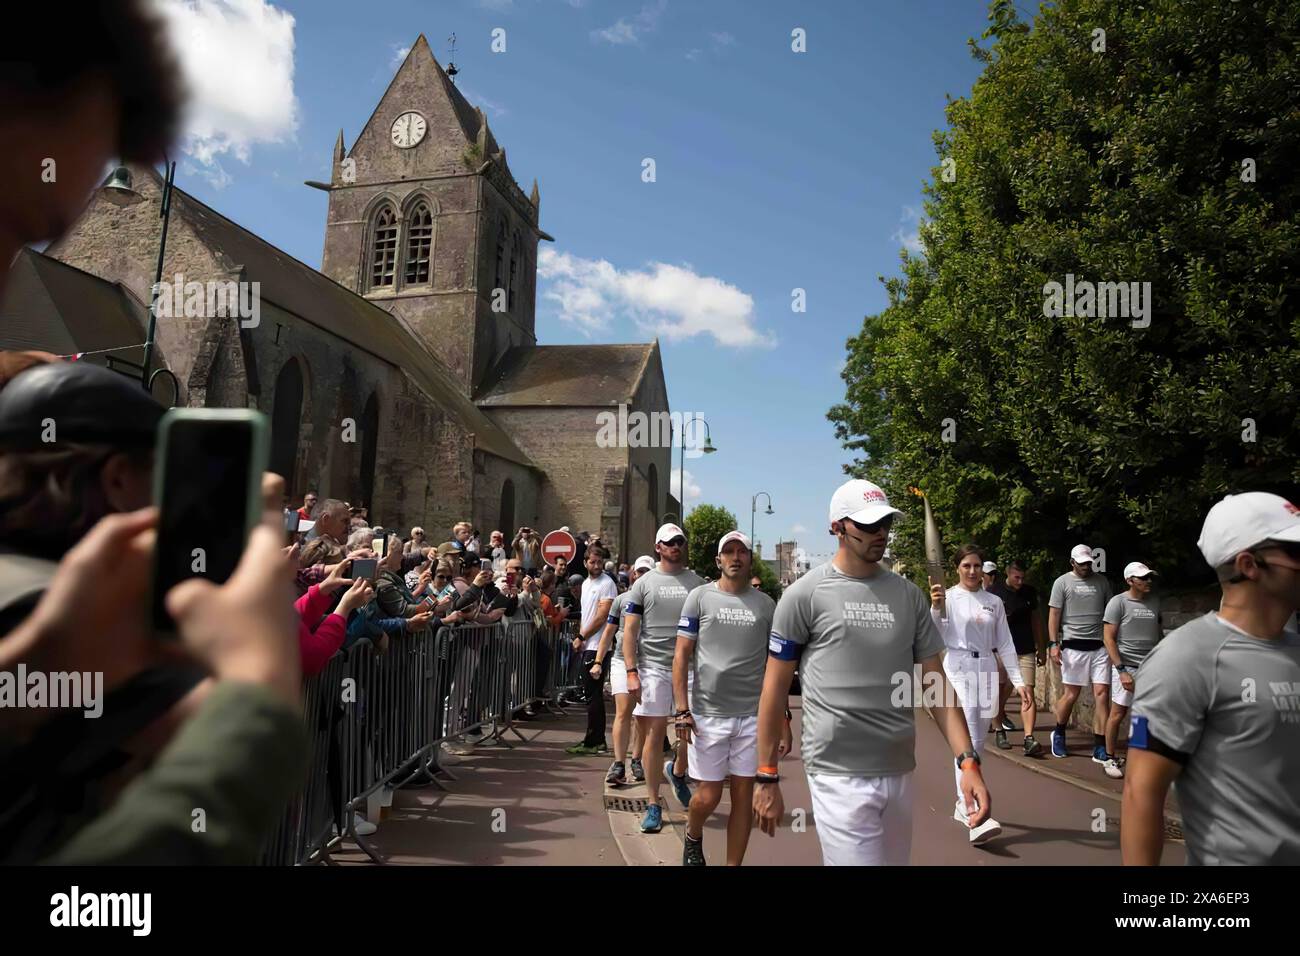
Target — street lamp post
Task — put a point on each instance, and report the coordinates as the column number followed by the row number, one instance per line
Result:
column 753, row 507
column 708, row 449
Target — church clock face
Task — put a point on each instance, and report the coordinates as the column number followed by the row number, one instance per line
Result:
column 408, row 130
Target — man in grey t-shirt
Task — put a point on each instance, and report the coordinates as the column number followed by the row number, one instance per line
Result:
column 1074, row 613
column 1217, row 707
column 651, row 609
column 722, row 639
column 1130, row 628
column 856, row 630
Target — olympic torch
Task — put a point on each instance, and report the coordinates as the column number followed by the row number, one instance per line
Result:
column 933, row 550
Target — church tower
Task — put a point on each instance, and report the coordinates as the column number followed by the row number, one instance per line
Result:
column 426, row 220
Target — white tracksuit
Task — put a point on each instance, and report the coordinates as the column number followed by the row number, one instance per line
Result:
column 975, row 628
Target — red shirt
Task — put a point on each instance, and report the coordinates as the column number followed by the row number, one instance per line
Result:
column 318, row 642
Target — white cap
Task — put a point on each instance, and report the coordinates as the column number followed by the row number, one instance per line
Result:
column 1081, row 554
column 1240, row 522
column 734, row 536
column 989, row 567
column 564, row 527
column 861, row 501
column 667, row 532
column 1136, row 569
column 644, row 563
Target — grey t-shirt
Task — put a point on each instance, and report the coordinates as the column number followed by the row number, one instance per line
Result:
column 658, row 599
column 1082, row 601
column 852, row 636
column 730, row 633
column 1139, row 625
column 1232, row 703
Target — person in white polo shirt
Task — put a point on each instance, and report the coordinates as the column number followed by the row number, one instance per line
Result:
column 973, row 624
column 651, row 609
column 722, row 641
column 1216, row 712
column 853, row 628
column 599, row 592
column 1075, row 607
column 1130, row 628
column 623, row 722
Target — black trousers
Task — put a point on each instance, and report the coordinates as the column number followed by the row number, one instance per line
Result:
column 594, row 690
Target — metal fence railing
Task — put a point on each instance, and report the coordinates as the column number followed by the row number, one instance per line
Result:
column 379, row 719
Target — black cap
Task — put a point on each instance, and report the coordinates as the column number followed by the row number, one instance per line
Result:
column 86, row 403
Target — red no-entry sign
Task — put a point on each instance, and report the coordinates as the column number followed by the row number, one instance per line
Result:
column 558, row 544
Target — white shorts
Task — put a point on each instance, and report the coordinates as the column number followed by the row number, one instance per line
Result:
column 723, row 745
column 1118, row 695
column 657, row 691
column 1080, row 668
column 863, row 821
column 618, row 675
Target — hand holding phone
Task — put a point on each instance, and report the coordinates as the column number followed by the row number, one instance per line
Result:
column 364, row 569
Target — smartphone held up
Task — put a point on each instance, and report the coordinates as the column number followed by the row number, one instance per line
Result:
column 208, row 489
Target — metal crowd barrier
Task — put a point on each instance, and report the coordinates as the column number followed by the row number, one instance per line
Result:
column 380, row 718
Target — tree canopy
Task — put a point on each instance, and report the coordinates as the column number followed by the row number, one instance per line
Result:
column 1161, row 150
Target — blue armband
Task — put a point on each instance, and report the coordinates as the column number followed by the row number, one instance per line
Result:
column 781, row 649
column 689, row 625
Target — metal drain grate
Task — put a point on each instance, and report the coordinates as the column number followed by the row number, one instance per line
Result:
column 626, row 804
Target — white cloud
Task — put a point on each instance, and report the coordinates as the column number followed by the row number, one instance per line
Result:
column 399, row 54
column 722, row 39
column 692, row 491
column 910, row 239
column 631, row 31
column 237, row 61
column 798, row 529
column 693, row 54
column 671, row 301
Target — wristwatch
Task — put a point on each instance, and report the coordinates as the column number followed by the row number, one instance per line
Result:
column 1052, row 643
column 1122, row 668
column 961, row 758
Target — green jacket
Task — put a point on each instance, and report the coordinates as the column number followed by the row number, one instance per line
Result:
column 239, row 760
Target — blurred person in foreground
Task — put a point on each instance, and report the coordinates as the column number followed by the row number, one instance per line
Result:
column 1216, row 709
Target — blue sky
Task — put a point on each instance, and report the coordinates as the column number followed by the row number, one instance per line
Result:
column 775, row 170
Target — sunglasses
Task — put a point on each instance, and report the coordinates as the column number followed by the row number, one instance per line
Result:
column 677, row 542
column 885, row 523
column 1290, row 548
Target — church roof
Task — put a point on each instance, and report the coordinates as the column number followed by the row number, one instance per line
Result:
column 567, row 375
column 54, row 307
column 320, row 301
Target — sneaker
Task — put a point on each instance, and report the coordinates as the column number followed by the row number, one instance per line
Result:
column 1007, row 724
column 653, row 821
column 1099, row 754
column 638, row 771
column 1058, row 744
column 580, row 749
column 682, row 791
column 616, row 776
column 985, row 831
column 1001, row 739
column 693, row 852
column 1113, row 768
column 959, row 815
column 1032, row 747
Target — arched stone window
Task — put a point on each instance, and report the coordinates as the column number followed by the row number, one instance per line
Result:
column 653, row 503
column 506, row 516
column 419, row 244
column 500, row 282
column 286, row 417
column 383, row 248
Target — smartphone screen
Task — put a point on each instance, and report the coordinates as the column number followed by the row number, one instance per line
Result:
column 204, row 503
column 485, row 564
column 291, row 519
column 510, row 579
column 379, row 545
column 365, row 568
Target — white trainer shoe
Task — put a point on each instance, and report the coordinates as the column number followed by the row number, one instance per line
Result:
column 985, row 831
column 360, row 825
column 959, row 815
column 1113, row 768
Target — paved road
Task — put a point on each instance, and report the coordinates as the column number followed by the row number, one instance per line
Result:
column 1044, row 821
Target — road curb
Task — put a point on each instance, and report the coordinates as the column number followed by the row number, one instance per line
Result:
column 644, row 849
column 1173, row 821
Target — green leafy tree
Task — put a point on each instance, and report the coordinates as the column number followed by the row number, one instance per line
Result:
column 1163, row 152
column 771, row 585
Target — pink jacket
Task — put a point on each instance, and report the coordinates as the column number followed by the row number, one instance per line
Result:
column 318, row 640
